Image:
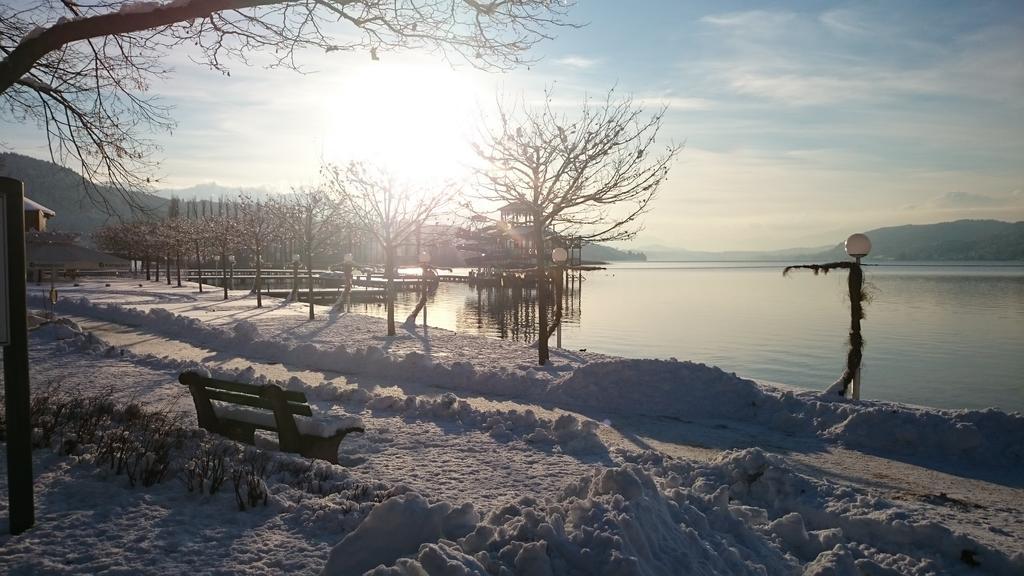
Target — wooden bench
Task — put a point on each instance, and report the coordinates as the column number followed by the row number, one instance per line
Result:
column 279, row 410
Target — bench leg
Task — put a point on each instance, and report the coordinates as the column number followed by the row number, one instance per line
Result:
column 324, row 448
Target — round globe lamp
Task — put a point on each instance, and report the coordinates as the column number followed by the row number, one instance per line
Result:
column 559, row 256
column 858, row 246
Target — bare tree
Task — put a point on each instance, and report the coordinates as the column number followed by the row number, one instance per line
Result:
column 122, row 239
column 82, row 70
column 316, row 219
column 222, row 232
column 389, row 211
column 257, row 226
column 197, row 233
column 590, row 176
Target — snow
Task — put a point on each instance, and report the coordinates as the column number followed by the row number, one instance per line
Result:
column 653, row 387
column 36, row 84
column 138, row 7
column 309, row 426
column 33, row 33
column 396, row 528
column 482, row 463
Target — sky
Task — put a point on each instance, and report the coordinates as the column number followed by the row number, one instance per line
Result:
column 802, row 122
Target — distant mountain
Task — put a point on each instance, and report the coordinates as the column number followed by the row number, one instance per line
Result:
column 602, row 253
column 669, row 254
column 214, row 191
column 959, row 240
column 61, row 190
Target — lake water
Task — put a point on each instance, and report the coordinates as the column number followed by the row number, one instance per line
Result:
column 949, row 336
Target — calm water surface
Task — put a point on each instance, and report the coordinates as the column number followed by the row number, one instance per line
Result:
column 947, row 336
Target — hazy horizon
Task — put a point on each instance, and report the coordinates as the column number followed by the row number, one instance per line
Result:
column 802, row 124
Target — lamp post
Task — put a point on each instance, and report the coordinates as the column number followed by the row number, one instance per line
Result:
column 424, row 259
column 559, row 256
column 857, row 246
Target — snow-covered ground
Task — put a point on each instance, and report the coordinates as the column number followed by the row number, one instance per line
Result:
column 492, row 465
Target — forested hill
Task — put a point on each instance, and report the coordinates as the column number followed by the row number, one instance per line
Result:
column 61, row 190
column 959, row 240
column 599, row 253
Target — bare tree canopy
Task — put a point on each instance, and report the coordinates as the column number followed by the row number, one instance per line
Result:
column 571, row 171
column 589, row 177
column 81, row 70
column 388, row 210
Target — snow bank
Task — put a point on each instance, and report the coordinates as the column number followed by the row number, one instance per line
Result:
column 987, row 438
column 980, row 436
column 828, row 525
column 570, row 434
column 615, row 521
column 396, row 528
column 680, row 389
column 567, row 433
column 244, row 339
column 745, row 513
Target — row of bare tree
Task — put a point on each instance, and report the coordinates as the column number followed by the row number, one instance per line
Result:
column 83, row 71
column 590, row 176
column 353, row 205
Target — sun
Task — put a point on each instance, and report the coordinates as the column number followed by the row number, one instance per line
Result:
column 415, row 120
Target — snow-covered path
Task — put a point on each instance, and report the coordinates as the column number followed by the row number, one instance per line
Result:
column 420, row 453
column 473, row 425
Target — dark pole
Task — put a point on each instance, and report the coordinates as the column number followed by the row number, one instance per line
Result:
column 16, row 383
column 855, row 285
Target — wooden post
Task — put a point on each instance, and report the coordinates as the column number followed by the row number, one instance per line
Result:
column 856, row 287
column 16, row 377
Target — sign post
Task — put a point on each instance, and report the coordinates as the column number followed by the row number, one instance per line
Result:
column 14, row 337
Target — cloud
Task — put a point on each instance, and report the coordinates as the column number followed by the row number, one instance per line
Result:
column 844, row 55
column 579, row 62
column 681, row 103
column 750, row 20
column 960, row 200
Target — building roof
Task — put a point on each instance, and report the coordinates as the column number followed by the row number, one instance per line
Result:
column 69, row 256
column 517, row 207
column 33, row 206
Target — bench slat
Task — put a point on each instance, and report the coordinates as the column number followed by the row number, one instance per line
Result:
column 256, row 402
column 253, row 389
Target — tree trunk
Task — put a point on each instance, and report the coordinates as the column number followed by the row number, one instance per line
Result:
column 224, row 273
column 258, row 281
column 146, row 259
column 389, row 290
column 309, row 279
column 177, row 265
column 411, row 320
column 542, row 287
column 199, row 268
column 168, row 264
column 157, row 269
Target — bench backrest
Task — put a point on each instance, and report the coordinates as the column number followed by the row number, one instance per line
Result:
column 245, row 394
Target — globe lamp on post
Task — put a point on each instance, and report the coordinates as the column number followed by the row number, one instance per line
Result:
column 857, row 246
